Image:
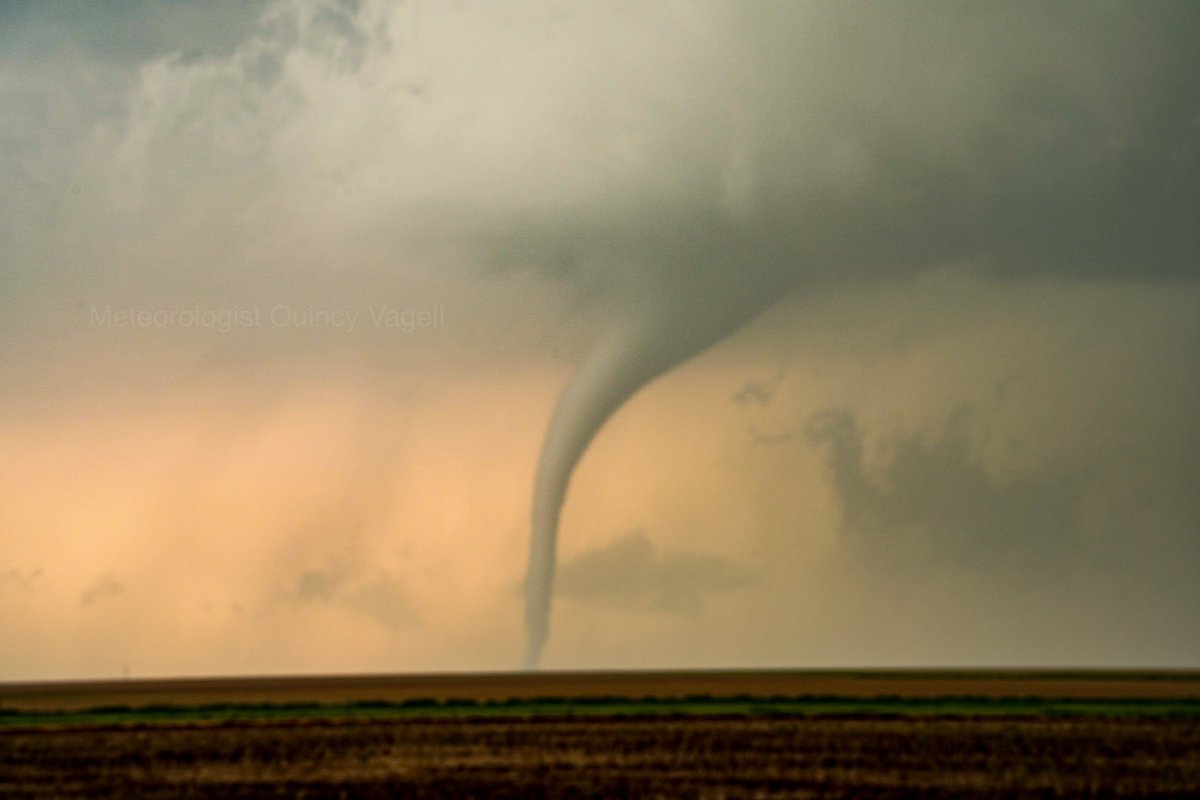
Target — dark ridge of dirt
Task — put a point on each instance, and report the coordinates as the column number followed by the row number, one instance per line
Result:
column 563, row 757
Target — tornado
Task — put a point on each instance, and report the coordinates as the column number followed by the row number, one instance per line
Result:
column 649, row 342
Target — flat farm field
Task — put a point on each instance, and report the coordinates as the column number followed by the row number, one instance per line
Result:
column 696, row 735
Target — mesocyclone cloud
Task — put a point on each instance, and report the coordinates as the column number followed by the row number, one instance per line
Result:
column 865, row 160
column 674, row 167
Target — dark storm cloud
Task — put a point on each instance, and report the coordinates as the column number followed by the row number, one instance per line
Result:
column 707, row 156
column 835, row 141
column 631, row 573
column 124, row 31
column 935, row 503
column 788, row 142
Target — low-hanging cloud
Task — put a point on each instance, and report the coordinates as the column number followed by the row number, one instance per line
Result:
column 379, row 596
column 632, row 574
column 934, row 502
column 104, row 587
column 25, row 580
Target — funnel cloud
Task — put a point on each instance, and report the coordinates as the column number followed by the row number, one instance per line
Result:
column 653, row 341
column 866, row 143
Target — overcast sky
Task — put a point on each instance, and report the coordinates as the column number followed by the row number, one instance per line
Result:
column 288, row 291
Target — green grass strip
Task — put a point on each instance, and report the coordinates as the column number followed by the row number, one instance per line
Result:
column 604, row 706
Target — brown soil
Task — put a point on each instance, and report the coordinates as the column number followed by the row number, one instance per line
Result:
column 562, row 757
